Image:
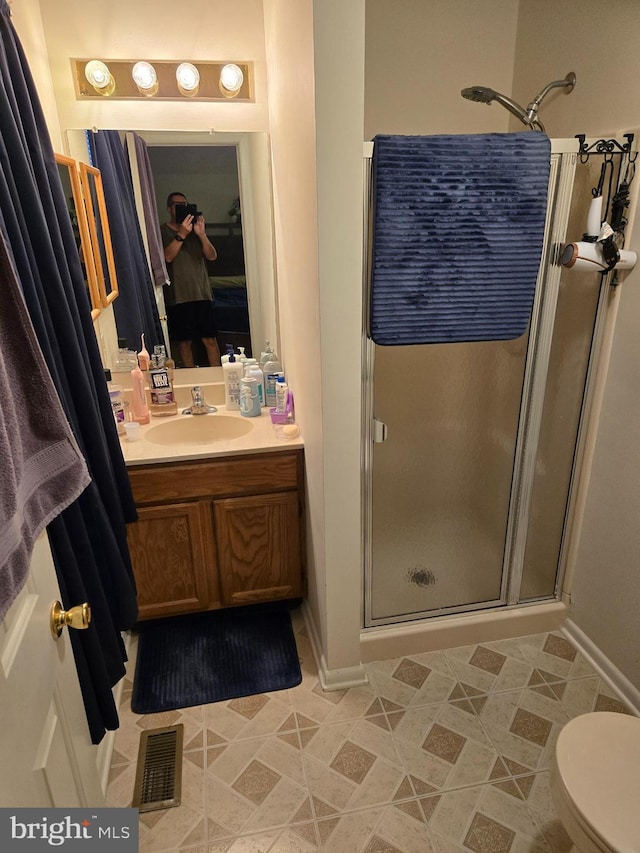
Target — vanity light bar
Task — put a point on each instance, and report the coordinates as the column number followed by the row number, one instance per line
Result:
column 162, row 80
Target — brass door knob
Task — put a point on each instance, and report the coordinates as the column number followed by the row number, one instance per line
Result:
column 76, row 617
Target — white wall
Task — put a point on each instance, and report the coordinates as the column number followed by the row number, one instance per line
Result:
column 25, row 16
column 120, row 29
column 288, row 36
column 552, row 40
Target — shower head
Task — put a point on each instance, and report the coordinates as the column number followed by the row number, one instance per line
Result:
column 528, row 116
column 483, row 95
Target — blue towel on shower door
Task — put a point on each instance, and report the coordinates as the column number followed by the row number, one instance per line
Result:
column 458, row 228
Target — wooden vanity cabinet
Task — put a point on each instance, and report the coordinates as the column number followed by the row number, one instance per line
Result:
column 218, row 533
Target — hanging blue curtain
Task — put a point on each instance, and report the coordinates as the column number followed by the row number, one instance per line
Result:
column 135, row 309
column 88, row 539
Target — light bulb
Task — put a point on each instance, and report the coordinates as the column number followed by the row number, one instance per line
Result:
column 188, row 79
column 98, row 74
column 145, row 77
column 231, row 80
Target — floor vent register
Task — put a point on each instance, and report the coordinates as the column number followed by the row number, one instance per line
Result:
column 159, row 770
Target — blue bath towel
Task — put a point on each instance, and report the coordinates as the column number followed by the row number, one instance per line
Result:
column 458, row 227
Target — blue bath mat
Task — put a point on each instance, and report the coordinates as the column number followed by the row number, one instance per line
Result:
column 210, row 657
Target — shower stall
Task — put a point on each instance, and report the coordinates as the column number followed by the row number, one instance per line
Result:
column 471, row 448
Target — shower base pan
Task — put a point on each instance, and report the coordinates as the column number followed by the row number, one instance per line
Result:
column 447, row 632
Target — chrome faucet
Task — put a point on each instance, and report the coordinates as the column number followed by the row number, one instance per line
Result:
column 198, row 405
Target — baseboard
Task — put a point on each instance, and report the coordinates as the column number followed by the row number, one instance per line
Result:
column 619, row 683
column 330, row 679
column 448, row 632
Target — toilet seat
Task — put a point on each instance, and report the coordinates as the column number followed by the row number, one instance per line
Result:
column 597, row 778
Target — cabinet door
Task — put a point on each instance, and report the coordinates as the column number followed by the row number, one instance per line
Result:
column 169, row 556
column 259, row 553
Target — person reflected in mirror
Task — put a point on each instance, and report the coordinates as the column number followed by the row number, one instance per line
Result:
column 190, row 311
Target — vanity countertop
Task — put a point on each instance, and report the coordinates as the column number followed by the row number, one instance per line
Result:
column 260, row 438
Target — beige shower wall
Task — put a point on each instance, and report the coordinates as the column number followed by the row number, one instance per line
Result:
column 418, row 56
column 600, row 44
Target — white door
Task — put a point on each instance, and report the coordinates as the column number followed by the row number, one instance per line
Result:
column 47, row 755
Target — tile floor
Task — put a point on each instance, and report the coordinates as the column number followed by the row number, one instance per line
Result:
column 446, row 752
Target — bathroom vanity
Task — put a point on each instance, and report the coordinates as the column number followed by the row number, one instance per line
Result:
column 216, row 528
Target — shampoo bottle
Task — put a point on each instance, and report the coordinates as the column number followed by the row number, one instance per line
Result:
column 161, row 388
column 139, row 408
column 232, row 373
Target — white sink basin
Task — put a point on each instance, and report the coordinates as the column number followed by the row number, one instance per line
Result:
column 198, row 430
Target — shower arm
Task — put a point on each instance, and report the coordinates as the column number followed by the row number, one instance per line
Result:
column 517, row 111
column 568, row 83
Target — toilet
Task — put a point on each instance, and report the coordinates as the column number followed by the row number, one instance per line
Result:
column 595, row 782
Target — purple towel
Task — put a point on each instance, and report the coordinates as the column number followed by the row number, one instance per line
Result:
column 42, row 469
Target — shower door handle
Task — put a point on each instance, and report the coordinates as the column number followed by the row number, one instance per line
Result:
column 379, row 431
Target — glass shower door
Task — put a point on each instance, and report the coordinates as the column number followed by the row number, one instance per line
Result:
column 441, row 480
column 452, row 488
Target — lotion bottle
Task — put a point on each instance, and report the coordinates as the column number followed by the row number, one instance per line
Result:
column 232, row 373
column 139, row 407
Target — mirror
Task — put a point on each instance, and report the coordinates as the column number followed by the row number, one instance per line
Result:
column 208, row 175
column 252, row 235
column 69, row 176
column 93, row 194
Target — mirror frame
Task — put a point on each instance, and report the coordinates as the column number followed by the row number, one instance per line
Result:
column 85, row 248
column 93, row 192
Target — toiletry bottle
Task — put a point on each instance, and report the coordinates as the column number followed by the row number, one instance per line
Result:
column 144, row 359
column 169, row 363
column 225, row 358
column 232, row 373
column 271, row 369
column 241, row 357
column 267, row 354
column 117, row 404
column 124, row 359
column 161, row 388
column 282, row 391
column 249, row 398
column 252, row 368
column 139, row 408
